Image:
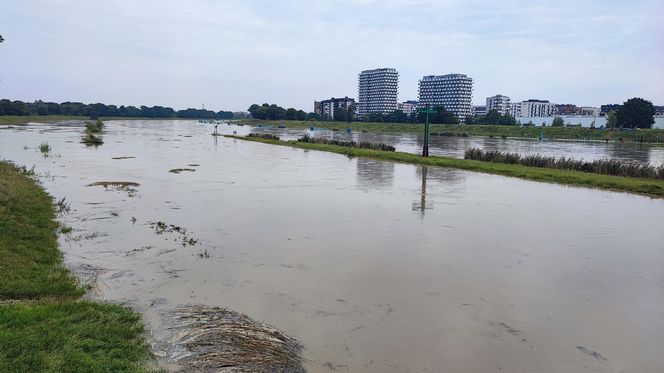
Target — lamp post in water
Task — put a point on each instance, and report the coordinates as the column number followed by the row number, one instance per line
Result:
column 425, row 145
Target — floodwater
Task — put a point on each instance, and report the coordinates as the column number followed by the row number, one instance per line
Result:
column 453, row 146
column 373, row 266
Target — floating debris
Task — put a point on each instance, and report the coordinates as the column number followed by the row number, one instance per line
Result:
column 124, row 186
column 193, row 165
column 123, row 157
column 213, row 339
column 185, row 240
column 178, row 170
column 588, row 352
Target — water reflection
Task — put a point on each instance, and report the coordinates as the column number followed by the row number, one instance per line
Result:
column 422, row 204
column 372, row 174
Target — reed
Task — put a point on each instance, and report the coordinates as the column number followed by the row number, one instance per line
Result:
column 267, row 136
column 601, row 166
column 351, row 144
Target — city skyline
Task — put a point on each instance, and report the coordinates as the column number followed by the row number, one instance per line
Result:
column 230, row 55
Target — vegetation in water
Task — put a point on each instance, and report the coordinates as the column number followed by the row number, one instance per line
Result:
column 601, row 166
column 351, row 144
column 44, row 326
column 268, row 136
column 91, row 140
column 44, row 148
column 649, row 187
column 94, row 127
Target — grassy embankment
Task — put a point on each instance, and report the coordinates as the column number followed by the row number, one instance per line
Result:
column 654, row 188
column 552, row 133
column 44, row 326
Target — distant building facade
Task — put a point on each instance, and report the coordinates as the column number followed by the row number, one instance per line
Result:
column 480, row 110
column 570, row 109
column 499, row 103
column 534, row 108
column 604, row 109
column 452, row 91
column 327, row 108
column 377, row 91
column 408, row 107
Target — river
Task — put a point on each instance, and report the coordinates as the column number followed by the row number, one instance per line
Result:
column 373, row 266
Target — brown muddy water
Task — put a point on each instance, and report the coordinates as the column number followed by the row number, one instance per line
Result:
column 372, row 266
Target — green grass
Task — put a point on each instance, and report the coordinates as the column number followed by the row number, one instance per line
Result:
column 71, row 337
column 44, row 327
column 654, row 188
column 552, row 133
column 31, row 265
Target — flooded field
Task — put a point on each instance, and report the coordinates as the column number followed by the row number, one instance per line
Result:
column 372, row 266
column 455, row 146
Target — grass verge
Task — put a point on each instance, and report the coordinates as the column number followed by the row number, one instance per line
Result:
column 552, row 133
column 44, row 327
column 653, row 188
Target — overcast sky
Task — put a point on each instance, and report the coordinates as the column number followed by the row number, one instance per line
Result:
column 230, row 54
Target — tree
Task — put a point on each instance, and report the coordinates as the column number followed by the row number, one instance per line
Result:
column 469, row 119
column 636, row 113
column 558, row 122
column 611, row 119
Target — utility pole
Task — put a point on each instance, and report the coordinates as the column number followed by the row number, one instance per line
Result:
column 425, row 145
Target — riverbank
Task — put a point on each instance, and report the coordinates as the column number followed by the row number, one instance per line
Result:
column 44, row 324
column 653, row 188
column 550, row 133
column 17, row 120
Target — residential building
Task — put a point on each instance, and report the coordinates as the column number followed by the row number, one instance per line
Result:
column 452, row 91
column 570, row 109
column 408, row 107
column 604, row 109
column 327, row 108
column 480, row 110
column 377, row 91
column 534, row 108
column 499, row 103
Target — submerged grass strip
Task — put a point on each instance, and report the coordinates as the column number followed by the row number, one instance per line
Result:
column 43, row 325
column 527, row 132
column 654, row 188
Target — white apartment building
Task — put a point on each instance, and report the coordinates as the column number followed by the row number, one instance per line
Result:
column 499, row 103
column 377, row 91
column 452, row 91
column 534, row 108
column 408, row 107
column 326, row 108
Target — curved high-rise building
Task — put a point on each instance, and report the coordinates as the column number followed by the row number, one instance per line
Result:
column 377, row 91
column 452, row 91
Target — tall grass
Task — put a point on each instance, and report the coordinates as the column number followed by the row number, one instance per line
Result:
column 351, row 144
column 601, row 166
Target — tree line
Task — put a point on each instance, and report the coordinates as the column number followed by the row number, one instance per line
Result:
column 97, row 110
column 633, row 113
